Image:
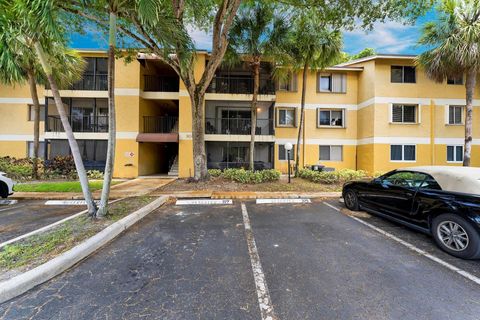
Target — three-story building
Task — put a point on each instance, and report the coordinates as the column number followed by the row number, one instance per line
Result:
column 374, row 114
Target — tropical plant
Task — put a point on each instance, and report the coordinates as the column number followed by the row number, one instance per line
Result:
column 257, row 35
column 312, row 46
column 36, row 24
column 454, row 40
column 18, row 64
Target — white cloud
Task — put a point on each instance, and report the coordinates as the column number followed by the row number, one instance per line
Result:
column 388, row 37
column 202, row 39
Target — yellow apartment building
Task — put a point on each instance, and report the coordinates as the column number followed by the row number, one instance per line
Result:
column 376, row 114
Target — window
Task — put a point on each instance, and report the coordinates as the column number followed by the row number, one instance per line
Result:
column 288, row 84
column 286, row 117
column 402, row 113
column 456, row 80
column 403, row 152
column 282, row 153
column 455, row 114
column 406, row 179
column 454, row 153
column 331, row 153
column 331, row 118
column 332, row 82
column 31, row 112
column 430, row 183
column 402, row 74
column 41, row 149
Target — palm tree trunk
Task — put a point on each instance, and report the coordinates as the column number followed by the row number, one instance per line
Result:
column 302, row 117
column 198, row 136
column 36, row 121
column 256, row 86
column 77, row 158
column 470, row 87
column 107, row 178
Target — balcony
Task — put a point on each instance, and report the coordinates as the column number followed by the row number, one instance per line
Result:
column 159, row 129
column 240, row 85
column 79, row 124
column 237, row 126
column 160, row 84
column 97, row 82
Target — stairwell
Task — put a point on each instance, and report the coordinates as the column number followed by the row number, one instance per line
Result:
column 173, row 171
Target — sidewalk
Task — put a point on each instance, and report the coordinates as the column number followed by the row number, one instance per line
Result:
column 130, row 188
column 246, row 194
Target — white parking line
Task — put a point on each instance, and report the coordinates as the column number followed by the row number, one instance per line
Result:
column 410, row 246
column 8, row 202
column 203, row 201
column 68, row 202
column 267, row 201
column 264, row 300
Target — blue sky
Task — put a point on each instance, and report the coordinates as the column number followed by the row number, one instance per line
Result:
column 388, row 37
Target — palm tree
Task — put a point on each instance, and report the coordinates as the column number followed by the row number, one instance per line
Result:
column 313, row 46
column 258, row 33
column 35, row 23
column 455, row 43
column 18, row 65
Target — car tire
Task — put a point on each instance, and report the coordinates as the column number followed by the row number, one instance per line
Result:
column 3, row 190
column 351, row 200
column 452, row 232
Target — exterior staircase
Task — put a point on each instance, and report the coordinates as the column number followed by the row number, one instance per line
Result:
column 174, row 168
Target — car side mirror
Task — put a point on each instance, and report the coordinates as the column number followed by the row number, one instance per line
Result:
column 377, row 180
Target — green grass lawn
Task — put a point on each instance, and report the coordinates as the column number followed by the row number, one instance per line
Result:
column 63, row 186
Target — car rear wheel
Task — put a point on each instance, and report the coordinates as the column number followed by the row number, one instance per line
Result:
column 456, row 236
column 3, row 190
column 351, row 200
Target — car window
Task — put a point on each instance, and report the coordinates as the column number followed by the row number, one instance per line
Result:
column 405, row 179
column 430, row 184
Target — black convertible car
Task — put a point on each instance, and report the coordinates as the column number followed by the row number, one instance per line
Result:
column 441, row 201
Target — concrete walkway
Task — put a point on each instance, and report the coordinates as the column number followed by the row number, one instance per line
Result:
column 130, row 188
column 246, row 194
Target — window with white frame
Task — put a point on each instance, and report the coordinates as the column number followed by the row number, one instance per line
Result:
column 331, row 118
column 402, row 74
column 286, row 117
column 455, row 153
column 403, row 152
column 455, row 114
column 332, row 82
column 404, row 113
column 289, row 83
column 282, row 152
column 331, row 153
column 31, row 112
column 455, row 80
column 41, row 149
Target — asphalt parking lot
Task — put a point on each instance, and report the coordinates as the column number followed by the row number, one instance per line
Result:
column 252, row 261
column 28, row 215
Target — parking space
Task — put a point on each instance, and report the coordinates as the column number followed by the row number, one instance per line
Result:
column 27, row 215
column 253, row 261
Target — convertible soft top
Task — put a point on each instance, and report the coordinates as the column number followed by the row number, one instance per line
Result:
column 454, row 179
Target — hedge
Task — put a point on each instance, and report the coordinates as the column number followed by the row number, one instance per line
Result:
column 246, row 176
column 330, row 177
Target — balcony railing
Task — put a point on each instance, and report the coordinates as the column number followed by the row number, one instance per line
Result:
column 238, row 85
column 160, row 124
column 97, row 82
column 241, row 126
column 161, row 84
column 79, row 123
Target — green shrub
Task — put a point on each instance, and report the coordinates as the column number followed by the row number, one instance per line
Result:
column 330, row 177
column 248, row 176
column 95, row 174
column 215, row 172
column 17, row 169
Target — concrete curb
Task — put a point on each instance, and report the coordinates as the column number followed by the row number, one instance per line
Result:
column 248, row 195
column 20, row 284
column 56, row 196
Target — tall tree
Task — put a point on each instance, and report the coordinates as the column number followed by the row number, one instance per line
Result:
column 18, row 64
column 454, row 40
column 36, row 24
column 258, row 34
column 312, row 47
